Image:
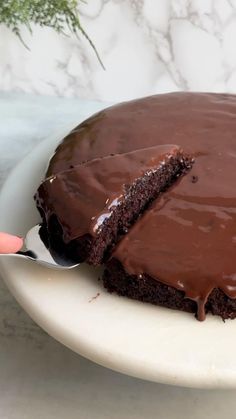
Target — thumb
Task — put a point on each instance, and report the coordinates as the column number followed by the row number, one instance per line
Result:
column 9, row 243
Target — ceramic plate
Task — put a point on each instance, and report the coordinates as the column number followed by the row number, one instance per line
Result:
column 134, row 338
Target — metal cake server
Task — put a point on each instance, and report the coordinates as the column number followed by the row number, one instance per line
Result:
column 35, row 250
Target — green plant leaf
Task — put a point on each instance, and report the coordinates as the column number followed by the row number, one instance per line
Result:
column 56, row 14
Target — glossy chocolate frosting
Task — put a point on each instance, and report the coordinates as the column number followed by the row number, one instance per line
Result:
column 188, row 239
column 82, row 198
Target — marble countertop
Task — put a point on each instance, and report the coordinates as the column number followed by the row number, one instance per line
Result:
column 146, row 46
column 40, row 378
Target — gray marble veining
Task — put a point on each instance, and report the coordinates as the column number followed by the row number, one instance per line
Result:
column 147, row 47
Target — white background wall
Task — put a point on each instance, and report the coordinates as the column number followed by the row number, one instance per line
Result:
column 147, row 46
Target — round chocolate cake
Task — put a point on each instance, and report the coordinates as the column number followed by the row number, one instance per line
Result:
column 148, row 187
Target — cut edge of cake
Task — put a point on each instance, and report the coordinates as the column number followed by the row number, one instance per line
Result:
column 137, row 199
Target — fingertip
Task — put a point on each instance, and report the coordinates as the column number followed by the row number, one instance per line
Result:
column 10, row 243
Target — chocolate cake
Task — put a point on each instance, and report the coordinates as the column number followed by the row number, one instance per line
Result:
column 181, row 252
column 87, row 209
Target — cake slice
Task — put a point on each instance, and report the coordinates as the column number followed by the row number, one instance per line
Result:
column 87, row 209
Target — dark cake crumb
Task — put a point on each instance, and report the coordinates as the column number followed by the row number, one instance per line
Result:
column 194, row 179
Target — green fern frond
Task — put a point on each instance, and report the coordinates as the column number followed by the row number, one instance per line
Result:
column 56, row 14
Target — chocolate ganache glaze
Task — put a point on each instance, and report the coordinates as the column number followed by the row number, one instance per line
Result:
column 188, row 238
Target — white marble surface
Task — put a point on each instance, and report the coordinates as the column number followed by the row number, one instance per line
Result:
column 41, row 379
column 147, row 47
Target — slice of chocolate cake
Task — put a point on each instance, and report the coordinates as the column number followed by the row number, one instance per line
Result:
column 87, row 209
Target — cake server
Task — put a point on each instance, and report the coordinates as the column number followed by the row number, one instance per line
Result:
column 34, row 249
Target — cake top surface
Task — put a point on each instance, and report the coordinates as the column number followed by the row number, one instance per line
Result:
column 83, row 197
column 195, row 121
column 188, row 239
